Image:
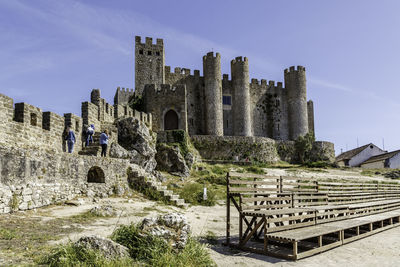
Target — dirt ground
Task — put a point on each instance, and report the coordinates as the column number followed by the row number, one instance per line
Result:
column 24, row 235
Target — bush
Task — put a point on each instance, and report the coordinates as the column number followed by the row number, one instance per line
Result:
column 72, row 255
column 154, row 251
column 141, row 247
column 193, row 255
column 318, row 164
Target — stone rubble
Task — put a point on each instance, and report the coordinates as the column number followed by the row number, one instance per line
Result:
column 172, row 227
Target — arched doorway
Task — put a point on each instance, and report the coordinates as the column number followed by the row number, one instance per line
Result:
column 170, row 120
column 95, row 175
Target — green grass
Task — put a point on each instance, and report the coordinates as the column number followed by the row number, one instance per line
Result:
column 153, row 251
column 193, row 193
column 70, row 255
column 8, row 234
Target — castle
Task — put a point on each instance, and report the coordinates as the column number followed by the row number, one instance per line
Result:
column 213, row 104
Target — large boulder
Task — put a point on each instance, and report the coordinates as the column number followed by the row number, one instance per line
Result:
column 170, row 159
column 107, row 247
column 172, row 227
column 135, row 142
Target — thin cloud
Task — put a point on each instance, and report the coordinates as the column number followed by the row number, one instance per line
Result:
column 331, row 85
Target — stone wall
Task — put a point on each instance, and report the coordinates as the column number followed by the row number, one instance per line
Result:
column 33, row 178
column 229, row 147
column 28, row 127
column 160, row 100
column 259, row 149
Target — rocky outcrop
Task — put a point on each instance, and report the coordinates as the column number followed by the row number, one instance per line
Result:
column 170, row 159
column 104, row 211
column 136, row 143
column 172, row 227
column 107, row 247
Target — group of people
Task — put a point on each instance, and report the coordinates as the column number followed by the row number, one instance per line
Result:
column 69, row 136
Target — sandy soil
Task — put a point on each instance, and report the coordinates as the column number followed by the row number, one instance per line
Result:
column 382, row 249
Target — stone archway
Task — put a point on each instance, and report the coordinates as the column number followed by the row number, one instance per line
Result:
column 96, row 175
column 171, row 120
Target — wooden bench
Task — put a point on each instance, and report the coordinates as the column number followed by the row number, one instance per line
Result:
column 291, row 217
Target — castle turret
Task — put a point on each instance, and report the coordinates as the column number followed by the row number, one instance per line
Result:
column 241, row 97
column 213, row 94
column 295, row 83
column 149, row 63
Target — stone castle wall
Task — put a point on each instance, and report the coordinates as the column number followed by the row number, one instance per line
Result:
column 162, row 99
column 27, row 126
column 33, row 178
column 256, row 149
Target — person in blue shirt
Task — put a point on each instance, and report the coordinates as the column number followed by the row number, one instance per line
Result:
column 103, row 143
column 70, row 137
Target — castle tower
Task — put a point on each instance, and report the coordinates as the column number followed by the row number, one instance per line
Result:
column 241, row 97
column 149, row 63
column 213, row 94
column 295, row 83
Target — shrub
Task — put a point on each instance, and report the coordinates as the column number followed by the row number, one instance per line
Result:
column 155, row 252
column 72, row 255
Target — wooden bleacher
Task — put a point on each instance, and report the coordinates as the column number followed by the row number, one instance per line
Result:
column 293, row 217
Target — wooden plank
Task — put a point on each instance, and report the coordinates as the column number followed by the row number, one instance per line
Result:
column 305, row 232
column 318, row 250
column 251, row 175
column 244, row 182
column 251, row 199
column 256, row 207
column 252, row 189
column 290, row 218
column 290, row 226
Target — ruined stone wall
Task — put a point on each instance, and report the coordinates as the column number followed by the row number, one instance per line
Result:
column 260, row 149
column 160, row 100
column 229, row 147
column 32, row 178
column 27, row 126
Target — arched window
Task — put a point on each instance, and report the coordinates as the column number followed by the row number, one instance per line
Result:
column 95, row 175
column 171, row 120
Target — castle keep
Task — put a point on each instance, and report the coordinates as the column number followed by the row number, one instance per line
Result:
column 213, row 104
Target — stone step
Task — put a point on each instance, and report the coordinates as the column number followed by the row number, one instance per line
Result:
column 167, row 192
column 174, row 197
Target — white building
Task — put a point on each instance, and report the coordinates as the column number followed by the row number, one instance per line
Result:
column 356, row 156
column 387, row 160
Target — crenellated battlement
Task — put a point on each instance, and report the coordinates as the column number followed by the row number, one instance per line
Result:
column 125, row 90
column 295, row 69
column 210, row 55
column 148, row 41
column 255, row 81
column 239, row 60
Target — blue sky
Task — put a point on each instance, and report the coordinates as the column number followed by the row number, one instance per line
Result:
column 52, row 53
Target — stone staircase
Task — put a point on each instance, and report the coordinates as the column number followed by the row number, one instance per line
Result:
column 94, row 149
column 150, row 183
